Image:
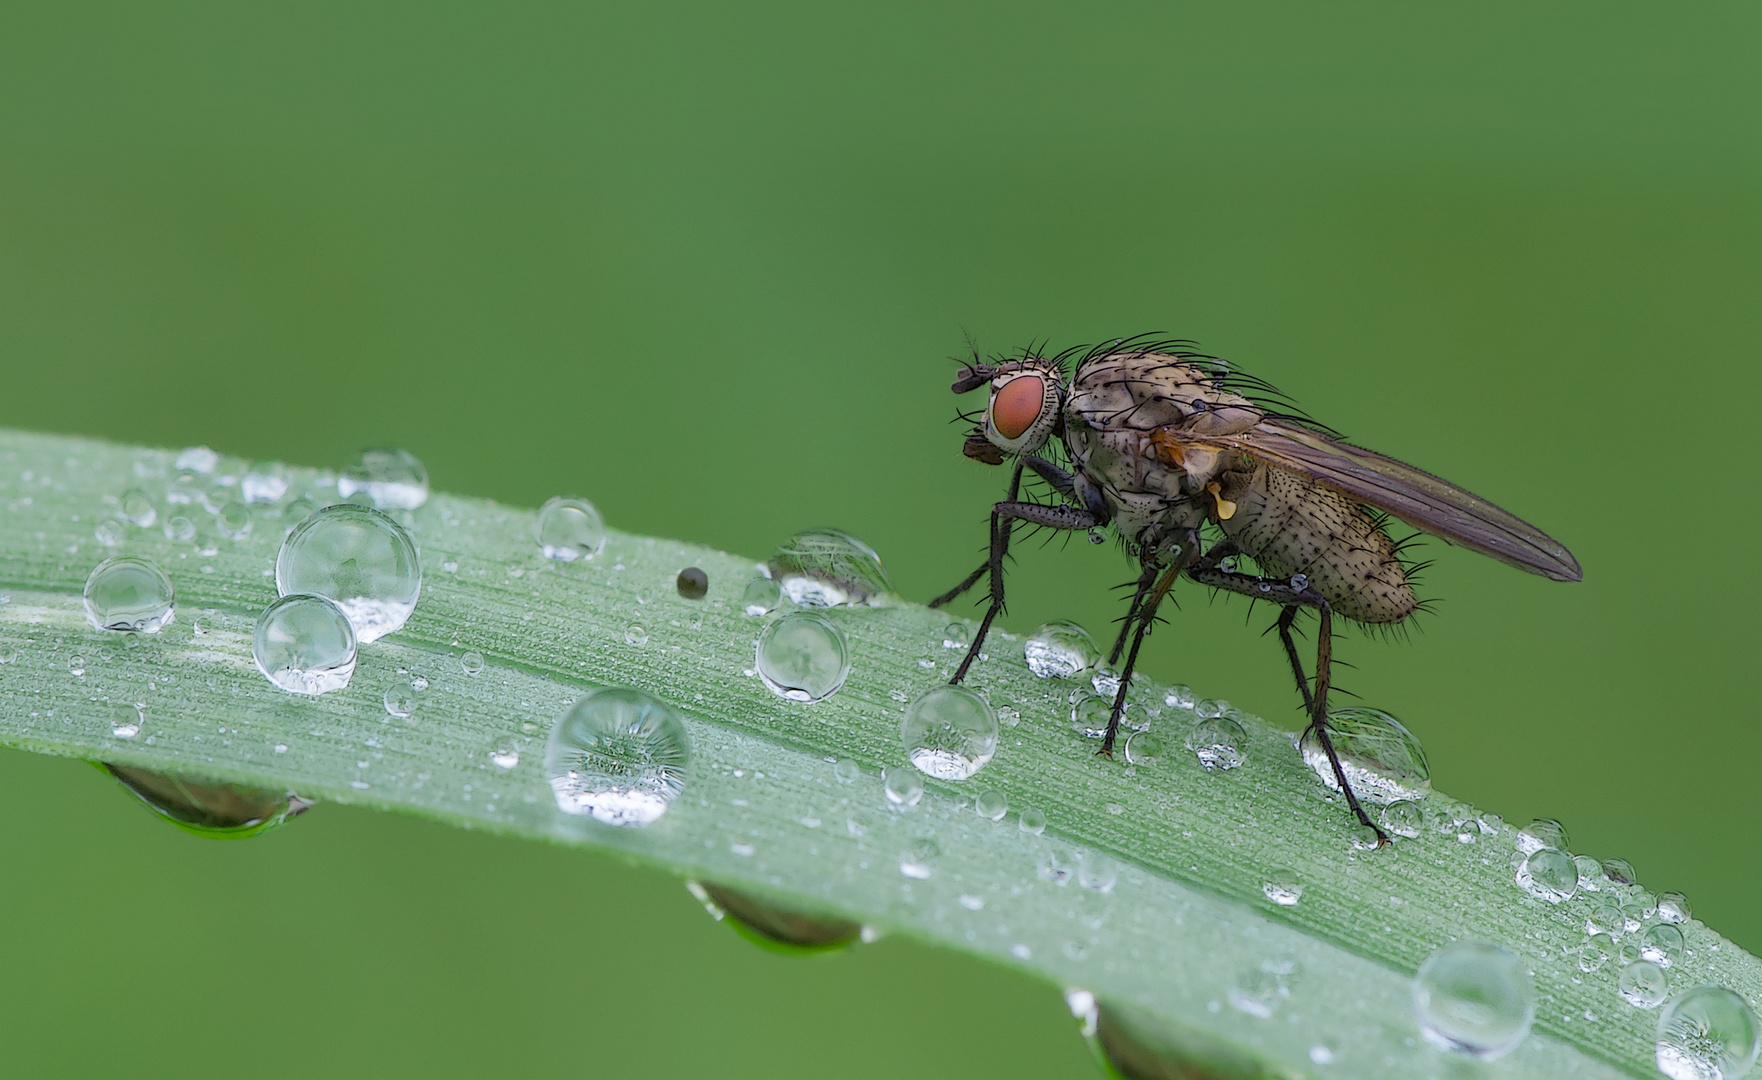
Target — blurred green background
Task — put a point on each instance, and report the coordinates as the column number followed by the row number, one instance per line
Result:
column 705, row 264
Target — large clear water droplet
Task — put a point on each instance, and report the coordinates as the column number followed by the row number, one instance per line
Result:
column 1382, row 760
column 358, row 557
column 1217, row 743
column 1643, row 984
column 569, row 528
column 802, row 657
column 773, row 926
column 1145, row 748
column 1475, row 997
column 221, row 811
column 130, row 594
column 1708, row 1033
column 1661, row 944
column 949, row 732
column 1059, row 650
column 618, row 755
column 305, row 644
column 1547, row 874
column 828, row 568
column 394, row 479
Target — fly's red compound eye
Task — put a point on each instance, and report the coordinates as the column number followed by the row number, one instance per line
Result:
column 1015, row 407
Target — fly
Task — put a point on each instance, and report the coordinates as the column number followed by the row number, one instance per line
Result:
column 1195, row 465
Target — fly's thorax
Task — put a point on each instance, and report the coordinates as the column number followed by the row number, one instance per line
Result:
column 1290, row 525
column 1146, row 499
column 1144, row 390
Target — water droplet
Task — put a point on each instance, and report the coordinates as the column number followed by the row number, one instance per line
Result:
column 1590, row 873
column 471, row 663
column 1620, row 871
column 1106, row 682
column 1217, row 743
column 619, row 755
column 1282, row 887
column 392, row 478
column 399, row 701
column 1606, row 918
column 635, row 635
column 125, row 721
column 1097, row 871
column 847, row 771
column 1597, row 950
column 305, row 644
column 828, row 568
column 1208, row 709
column 181, row 529
column 418, row 683
column 505, row 758
column 1541, row 833
column 570, row 528
column 198, row 459
column 76, row 666
column 129, row 594
column 761, row 597
column 1661, row 943
column 1032, row 821
column 1709, row 1033
column 956, row 635
column 1673, row 907
column 918, row 862
column 903, row 787
column 802, row 657
column 1089, row 715
column 1643, row 984
column 1179, row 697
column 264, row 482
column 1322, row 1054
column 1403, row 817
column 223, row 811
column 971, row 902
column 1637, row 907
column 1475, row 997
column 138, row 509
column 992, row 804
column 1547, row 874
column 234, row 520
column 359, row 558
column 1008, row 717
column 692, row 583
column 773, row 927
column 1059, row 650
column 1382, row 760
column 1145, row 749
column 1257, row 993
column 109, row 532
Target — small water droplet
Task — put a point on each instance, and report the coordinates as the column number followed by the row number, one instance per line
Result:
column 1217, row 743
column 505, row 758
column 949, row 732
column 391, row 478
column 471, row 663
column 971, row 902
column 1620, row 871
column 1590, row 873
column 957, row 635
column 918, row 862
column 1089, row 714
column 761, row 597
column 1547, row 874
column 569, row 528
column 138, row 509
column 1208, row 708
column 846, row 771
column 1179, row 697
column 280, row 748
column 418, row 683
column 359, row 558
column 1145, row 749
column 1643, row 984
column 1382, row 760
column 1637, row 907
column 692, row 583
column 903, row 787
column 399, row 701
column 1673, row 907
column 197, row 459
column 1257, row 993
column 1059, row 650
column 297, row 510
column 1403, row 817
column 1661, row 943
column 1097, row 871
column 991, row 804
column 828, row 568
column 1321, row 1054
column 1474, row 997
column 802, row 657
column 635, row 635
column 1541, row 833
column 1021, row 951
column 130, row 594
column 1106, row 682
column 1032, row 821
column 264, row 482
column 109, row 532
column 222, row 811
column 1008, row 717
column 125, row 721
column 1595, row 951
column 234, row 519
column 1283, row 887
column 305, row 644
column 618, row 755
column 1708, row 1033
column 181, row 529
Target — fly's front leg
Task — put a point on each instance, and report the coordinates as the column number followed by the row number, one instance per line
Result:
column 1316, row 703
column 1145, row 614
column 1003, row 517
column 972, row 579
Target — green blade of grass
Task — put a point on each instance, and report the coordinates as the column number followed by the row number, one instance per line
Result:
column 1145, row 888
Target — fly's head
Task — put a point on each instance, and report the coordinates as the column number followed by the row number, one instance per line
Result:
column 1027, row 400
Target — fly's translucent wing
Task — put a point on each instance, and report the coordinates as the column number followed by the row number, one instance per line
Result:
column 1422, row 500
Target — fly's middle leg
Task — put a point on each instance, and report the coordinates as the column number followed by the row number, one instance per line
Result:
column 1144, row 612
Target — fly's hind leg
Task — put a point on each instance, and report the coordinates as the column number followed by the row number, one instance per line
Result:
column 1315, row 702
column 1003, row 518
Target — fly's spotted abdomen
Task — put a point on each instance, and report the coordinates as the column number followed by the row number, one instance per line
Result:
column 1290, row 525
